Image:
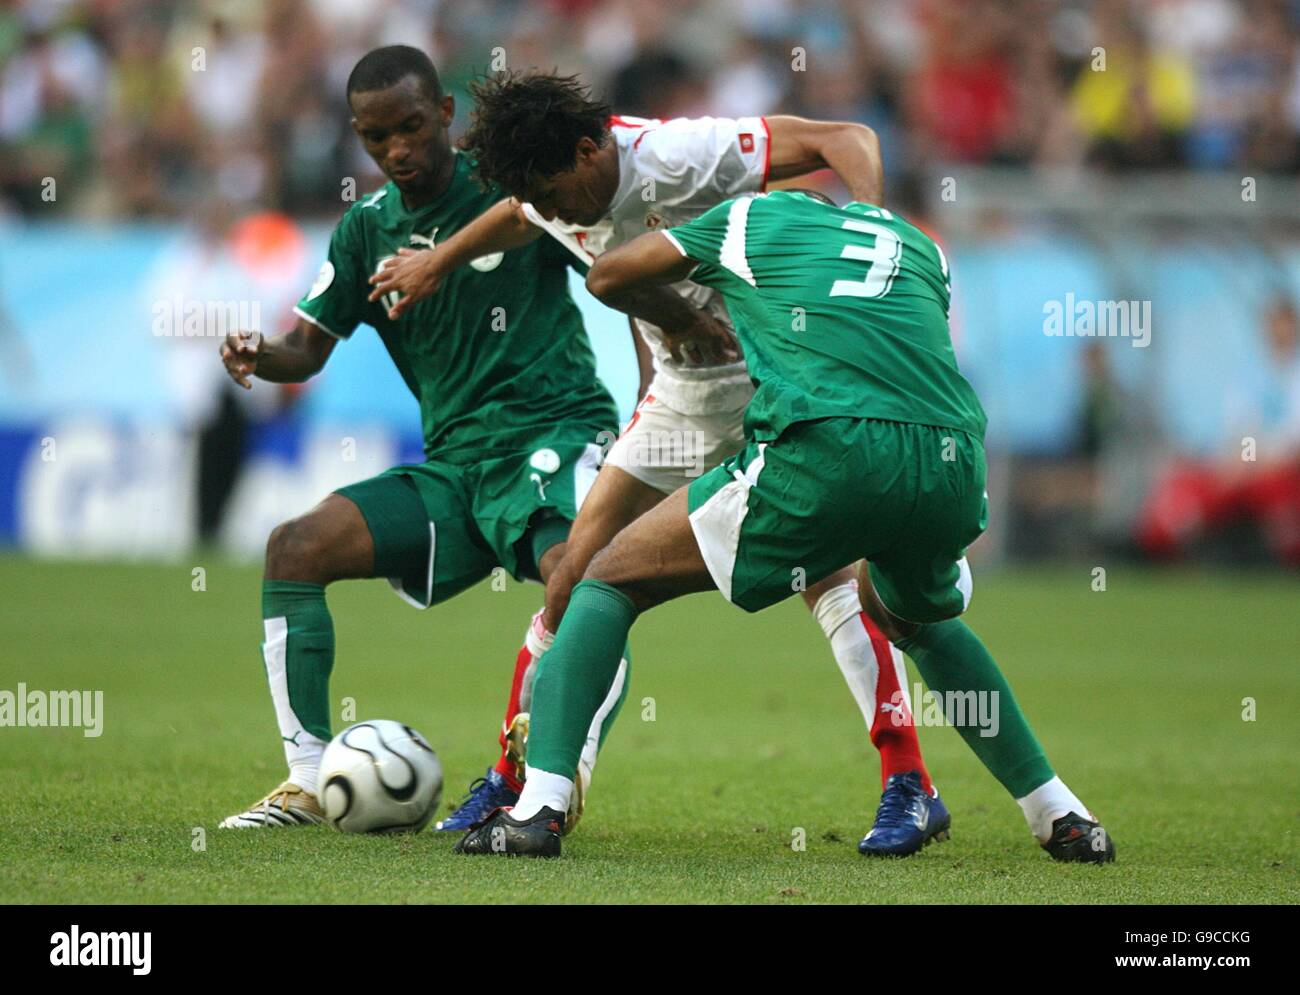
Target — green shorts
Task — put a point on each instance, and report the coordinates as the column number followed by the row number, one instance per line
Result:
column 781, row 515
column 440, row 527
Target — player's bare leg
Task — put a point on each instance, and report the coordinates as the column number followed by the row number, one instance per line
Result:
column 653, row 560
column 331, row 542
column 872, row 668
column 953, row 660
column 616, row 498
column 910, row 814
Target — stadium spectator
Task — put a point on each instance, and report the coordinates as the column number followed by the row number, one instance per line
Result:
column 145, row 110
column 1258, row 483
column 1134, row 101
column 108, row 97
column 965, row 101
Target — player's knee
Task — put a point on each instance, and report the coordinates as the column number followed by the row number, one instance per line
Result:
column 609, row 567
column 559, row 587
column 899, row 630
column 297, row 550
column 603, row 566
column 894, row 628
column 814, row 592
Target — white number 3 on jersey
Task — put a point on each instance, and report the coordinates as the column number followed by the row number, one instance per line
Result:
column 884, row 255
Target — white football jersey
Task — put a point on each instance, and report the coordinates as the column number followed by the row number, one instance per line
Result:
column 670, row 172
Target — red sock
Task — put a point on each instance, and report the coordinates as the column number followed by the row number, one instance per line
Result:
column 893, row 732
column 504, row 766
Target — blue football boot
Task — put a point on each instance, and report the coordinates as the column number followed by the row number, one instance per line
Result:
column 486, row 795
column 908, row 819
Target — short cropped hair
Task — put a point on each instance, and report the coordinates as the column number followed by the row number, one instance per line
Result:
column 384, row 67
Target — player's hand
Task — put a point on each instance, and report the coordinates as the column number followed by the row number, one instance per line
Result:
column 240, row 352
column 708, row 342
column 413, row 275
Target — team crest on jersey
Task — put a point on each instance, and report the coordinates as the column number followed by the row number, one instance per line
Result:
column 323, row 280
column 546, row 460
column 485, row 264
column 746, row 142
column 653, row 221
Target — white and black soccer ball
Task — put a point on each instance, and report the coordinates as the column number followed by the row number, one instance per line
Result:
column 379, row 777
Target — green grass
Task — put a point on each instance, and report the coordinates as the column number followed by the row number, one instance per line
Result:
column 1136, row 693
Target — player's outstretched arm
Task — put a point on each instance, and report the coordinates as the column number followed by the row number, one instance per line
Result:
column 418, row 273
column 800, row 146
column 292, row 357
column 633, row 279
column 624, row 273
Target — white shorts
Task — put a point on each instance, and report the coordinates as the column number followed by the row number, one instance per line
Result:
column 666, row 449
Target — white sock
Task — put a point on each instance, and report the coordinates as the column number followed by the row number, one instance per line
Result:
column 303, row 772
column 538, row 640
column 302, row 750
column 542, row 789
column 838, row 612
column 1047, row 803
column 851, row 645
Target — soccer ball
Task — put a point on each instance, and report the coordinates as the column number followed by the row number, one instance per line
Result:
column 379, row 777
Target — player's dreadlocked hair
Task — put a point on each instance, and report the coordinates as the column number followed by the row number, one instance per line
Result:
column 527, row 126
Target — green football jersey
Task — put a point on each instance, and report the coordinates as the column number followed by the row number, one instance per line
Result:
column 841, row 312
column 498, row 356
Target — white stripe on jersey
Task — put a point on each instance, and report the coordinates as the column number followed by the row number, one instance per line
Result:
column 676, row 244
column 732, row 253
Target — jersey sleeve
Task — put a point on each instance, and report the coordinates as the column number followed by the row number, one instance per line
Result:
column 709, row 158
column 566, row 244
column 336, row 301
column 702, row 239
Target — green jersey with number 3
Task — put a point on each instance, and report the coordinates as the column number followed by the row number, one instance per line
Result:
column 841, row 312
column 498, row 357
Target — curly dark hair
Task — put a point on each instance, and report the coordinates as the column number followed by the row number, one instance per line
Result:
column 526, row 126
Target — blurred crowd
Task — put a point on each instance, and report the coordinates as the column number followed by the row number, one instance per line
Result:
column 140, row 108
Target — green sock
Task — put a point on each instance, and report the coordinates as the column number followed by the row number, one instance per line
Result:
column 951, row 658
column 575, row 675
column 299, row 655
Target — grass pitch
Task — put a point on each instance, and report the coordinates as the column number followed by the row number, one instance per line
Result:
column 1137, row 693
